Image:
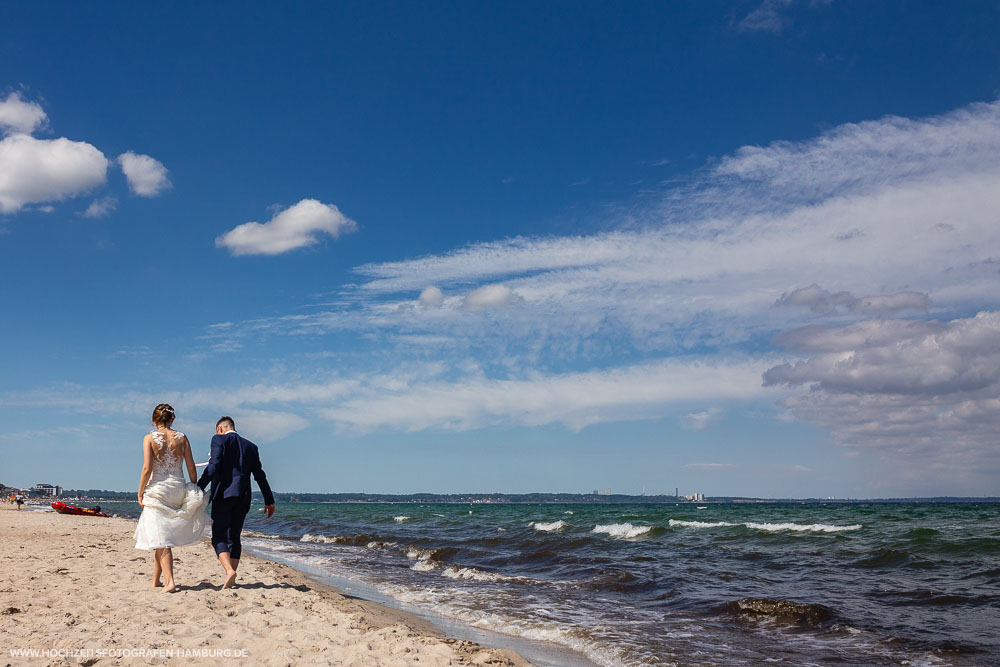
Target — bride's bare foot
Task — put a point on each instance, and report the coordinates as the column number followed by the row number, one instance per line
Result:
column 169, row 588
column 157, row 584
column 230, row 579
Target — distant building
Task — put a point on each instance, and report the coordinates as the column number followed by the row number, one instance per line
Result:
column 607, row 491
column 596, row 492
column 48, row 490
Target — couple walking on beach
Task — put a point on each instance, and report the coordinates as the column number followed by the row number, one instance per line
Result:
column 173, row 512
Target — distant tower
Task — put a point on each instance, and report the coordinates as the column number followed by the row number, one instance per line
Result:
column 677, row 492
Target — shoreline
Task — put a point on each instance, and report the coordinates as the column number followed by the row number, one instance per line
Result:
column 76, row 589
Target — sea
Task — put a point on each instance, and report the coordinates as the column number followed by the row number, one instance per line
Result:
column 674, row 584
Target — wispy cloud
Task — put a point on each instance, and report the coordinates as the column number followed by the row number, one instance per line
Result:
column 709, row 466
column 100, row 208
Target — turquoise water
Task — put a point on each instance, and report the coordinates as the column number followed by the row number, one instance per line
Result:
column 678, row 584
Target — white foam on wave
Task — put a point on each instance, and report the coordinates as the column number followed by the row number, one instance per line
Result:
column 379, row 545
column 622, row 531
column 700, row 524
column 423, row 558
column 799, row 527
column 536, row 629
column 423, row 566
column 567, row 512
column 769, row 527
column 400, row 518
column 321, row 539
column 266, row 536
column 549, row 527
column 472, row 574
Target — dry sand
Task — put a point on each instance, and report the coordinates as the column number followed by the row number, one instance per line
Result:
column 76, row 588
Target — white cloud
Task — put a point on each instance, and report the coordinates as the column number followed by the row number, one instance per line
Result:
column 290, row 229
column 901, row 210
column 18, row 116
column 432, row 296
column 922, row 392
column 489, row 296
column 146, row 176
column 576, row 400
column 41, row 170
column 767, row 17
column 700, row 421
column 898, row 357
column 100, row 207
column 264, row 426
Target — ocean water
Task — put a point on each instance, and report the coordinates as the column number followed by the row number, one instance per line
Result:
column 791, row 583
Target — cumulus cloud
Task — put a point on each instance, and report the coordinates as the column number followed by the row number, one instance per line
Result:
column 906, row 388
column 41, row 170
column 930, row 358
column 146, row 176
column 18, row 116
column 296, row 227
column 432, row 296
column 489, row 296
column 100, row 208
column 821, row 301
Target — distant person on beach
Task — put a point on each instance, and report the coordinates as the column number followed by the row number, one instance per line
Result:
column 233, row 460
column 173, row 512
column 19, row 500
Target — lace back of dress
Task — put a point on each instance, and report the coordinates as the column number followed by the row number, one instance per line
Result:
column 166, row 453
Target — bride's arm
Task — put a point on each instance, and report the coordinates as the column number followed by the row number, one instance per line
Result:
column 189, row 460
column 147, row 466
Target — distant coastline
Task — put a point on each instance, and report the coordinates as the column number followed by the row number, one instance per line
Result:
column 538, row 498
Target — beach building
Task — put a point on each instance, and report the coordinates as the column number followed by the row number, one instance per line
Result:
column 48, row 490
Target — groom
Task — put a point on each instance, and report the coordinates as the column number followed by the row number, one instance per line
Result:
column 234, row 459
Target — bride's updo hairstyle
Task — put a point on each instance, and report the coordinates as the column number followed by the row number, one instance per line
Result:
column 163, row 415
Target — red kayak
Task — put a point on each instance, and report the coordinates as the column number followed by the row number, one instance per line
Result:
column 63, row 508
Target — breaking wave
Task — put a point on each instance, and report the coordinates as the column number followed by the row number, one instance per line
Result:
column 549, row 527
column 622, row 531
column 798, row 527
column 700, row 524
column 768, row 527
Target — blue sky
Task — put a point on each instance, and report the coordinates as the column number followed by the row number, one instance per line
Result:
column 735, row 248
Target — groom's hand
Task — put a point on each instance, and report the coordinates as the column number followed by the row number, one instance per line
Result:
column 270, row 510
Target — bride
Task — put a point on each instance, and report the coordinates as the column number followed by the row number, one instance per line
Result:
column 173, row 513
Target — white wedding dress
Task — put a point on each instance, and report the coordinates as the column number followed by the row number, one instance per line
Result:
column 173, row 513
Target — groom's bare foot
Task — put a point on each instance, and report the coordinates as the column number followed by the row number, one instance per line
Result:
column 230, row 579
column 157, row 584
column 169, row 588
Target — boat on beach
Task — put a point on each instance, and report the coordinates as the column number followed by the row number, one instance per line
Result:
column 63, row 508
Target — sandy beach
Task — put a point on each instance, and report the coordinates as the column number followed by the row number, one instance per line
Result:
column 74, row 590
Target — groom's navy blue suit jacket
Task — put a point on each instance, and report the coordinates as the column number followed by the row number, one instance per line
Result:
column 234, row 459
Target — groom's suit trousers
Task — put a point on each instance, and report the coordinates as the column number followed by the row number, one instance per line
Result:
column 228, row 515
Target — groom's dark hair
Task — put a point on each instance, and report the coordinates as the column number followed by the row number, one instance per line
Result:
column 226, row 420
